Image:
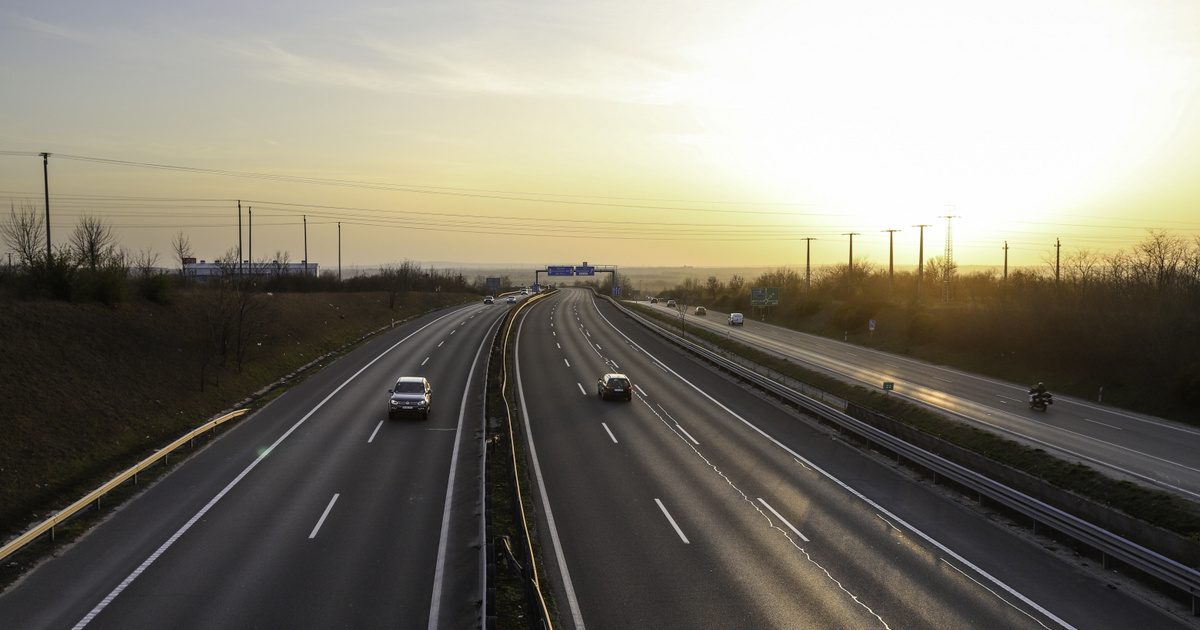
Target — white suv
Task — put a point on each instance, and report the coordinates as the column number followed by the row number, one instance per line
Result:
column 736, row 319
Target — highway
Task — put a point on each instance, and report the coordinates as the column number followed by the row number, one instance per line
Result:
column 1134, row 446
column 701, row 504
column 315, row 512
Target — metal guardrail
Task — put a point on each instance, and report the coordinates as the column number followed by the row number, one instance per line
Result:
column 94, row 496
column 1176, row 574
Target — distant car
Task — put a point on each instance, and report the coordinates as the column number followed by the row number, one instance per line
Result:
column 700, row 310
column 489, row 300
column 670, row 303
column 614, row 386
column 511, row 299
column 736, row 319
column 654, row 300
column 524, row 291
column 410, row 395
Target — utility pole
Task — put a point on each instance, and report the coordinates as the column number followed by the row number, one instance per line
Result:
column 891, row 265
column 46, row 185
column 808, row 263
column 921, row 259
column 306, row 244
column 250, row 237
column 1057, row 253
column 850, row 267
column 948, row 259
column 1006, row 261
column 239, row 265
column 339, row 251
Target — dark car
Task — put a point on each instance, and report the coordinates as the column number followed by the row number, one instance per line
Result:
column 614, row 386
column 411, row 395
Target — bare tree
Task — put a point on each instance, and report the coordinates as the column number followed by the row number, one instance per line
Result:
column 181, row 245
column 24, row 233
column 92, row 242
column 145, row 261
column 736, row 283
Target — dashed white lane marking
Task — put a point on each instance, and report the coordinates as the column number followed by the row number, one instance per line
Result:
column 640, row 390
column 785, row 521
column 581, row 390
column 321, row 521
column 425, row 361
column 375, row 431
column 1103, row 424
column 597, row 345
column 453, row 331
column 689, row 435
column 614, row 364
column 889, row 523
column 441, row 342
column 673, row 523
column 558, row 344
column 567, row 362
column 610, row 433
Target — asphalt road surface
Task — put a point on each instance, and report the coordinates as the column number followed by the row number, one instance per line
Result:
column 1142, row 448
column 315, row 512
column 700, row 504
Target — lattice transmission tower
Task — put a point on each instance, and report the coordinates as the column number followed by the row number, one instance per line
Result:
column 948, row 258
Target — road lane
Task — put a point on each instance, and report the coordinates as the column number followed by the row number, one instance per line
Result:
column 248, row 560
column 1140, row 447
column 743, row 566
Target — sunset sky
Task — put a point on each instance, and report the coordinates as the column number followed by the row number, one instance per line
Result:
column 619, row 132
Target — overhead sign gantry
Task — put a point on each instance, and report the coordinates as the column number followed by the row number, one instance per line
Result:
column 577, row 270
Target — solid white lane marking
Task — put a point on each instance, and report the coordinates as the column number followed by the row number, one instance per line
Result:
column 610, row 433
column 425, row 361
column 435, row 600
column 640, row 390
column 208, row 506
column 321, row 521
column 567, row 362
column 375, row 431
column 994, row 593
column 568, row 585
column 785, row 521
column 441, row 342
column 689, row 435
column 673, row 523
column 862, row 497
column 581, row 390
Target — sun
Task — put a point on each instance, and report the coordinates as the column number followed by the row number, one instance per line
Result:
column 890, row 119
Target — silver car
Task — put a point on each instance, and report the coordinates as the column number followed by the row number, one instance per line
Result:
column 411, row 395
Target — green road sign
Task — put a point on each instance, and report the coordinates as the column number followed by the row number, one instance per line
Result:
column 888, row 386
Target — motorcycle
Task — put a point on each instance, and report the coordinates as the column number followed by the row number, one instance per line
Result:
column 1040, row 401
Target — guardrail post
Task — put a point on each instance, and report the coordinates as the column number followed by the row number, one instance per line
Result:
column 1104, row 560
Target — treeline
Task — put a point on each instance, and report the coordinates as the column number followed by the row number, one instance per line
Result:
column 92, row 266
column 1122, row 327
